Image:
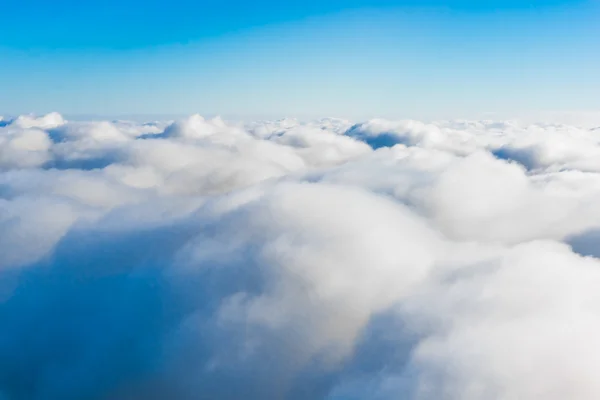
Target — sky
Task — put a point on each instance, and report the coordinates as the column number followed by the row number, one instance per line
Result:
column 353, row 258
column 311, row 58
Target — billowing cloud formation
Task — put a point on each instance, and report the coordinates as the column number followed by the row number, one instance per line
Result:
column 203, row 259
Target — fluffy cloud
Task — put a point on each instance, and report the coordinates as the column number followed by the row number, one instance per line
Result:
column 47, row 121
column 283, row 259
column 24, row 148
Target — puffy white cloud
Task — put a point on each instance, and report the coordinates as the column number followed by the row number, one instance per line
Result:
column 51, row 120
column 382, row 133
column 23, row 148
column 557, row 147
column 518, row 327
column 196, row 127
column 320, row 147
column 298, row 260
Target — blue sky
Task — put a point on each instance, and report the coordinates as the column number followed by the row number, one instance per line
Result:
column 352, row 58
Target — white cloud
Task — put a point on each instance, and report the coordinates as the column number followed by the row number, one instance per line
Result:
column 298, row 260
column 23, row 148
column 51, row 120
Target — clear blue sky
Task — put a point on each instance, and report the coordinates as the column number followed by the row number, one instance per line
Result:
column 351, row 58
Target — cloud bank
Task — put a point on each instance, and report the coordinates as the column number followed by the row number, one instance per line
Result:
column 203, row 259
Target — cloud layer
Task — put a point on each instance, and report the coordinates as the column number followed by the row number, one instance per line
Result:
column 203, row 259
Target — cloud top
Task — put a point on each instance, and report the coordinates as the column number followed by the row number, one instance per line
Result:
column 331, row 259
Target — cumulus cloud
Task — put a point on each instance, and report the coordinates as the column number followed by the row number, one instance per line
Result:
column 51, row 120
column 24, row 148
column 331, row 259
